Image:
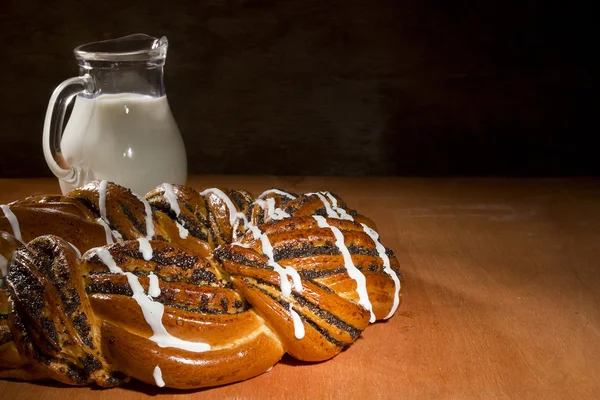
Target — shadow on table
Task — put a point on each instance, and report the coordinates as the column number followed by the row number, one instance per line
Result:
column 134, row 386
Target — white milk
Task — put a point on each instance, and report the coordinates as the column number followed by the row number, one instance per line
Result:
column 128, row 138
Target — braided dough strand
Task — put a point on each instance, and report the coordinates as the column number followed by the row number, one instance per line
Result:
column 182, row 288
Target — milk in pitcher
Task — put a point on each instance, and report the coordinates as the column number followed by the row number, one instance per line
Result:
column 121, row 128
column 117, row 136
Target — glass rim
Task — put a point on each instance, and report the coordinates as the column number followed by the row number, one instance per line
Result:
column 136, row 47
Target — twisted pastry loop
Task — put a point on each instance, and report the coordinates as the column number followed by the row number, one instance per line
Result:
column 181, row 288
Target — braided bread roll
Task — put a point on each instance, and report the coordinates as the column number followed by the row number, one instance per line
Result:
column 181, row 288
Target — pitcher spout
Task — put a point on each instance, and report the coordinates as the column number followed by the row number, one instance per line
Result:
column 136, row 47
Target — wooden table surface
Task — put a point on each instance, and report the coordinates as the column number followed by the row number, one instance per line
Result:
column 501, row 294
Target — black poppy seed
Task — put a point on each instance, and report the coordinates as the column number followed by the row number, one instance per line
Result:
column 90, row 363
column 314, row 274
column 328, row 317
column 227, row 253
column 321, row 211
column 289, row 251
column 109, row 287
column 89, row 204
column 139, row 226
column 82, row 327
column 5, row 338
column 224, row 304
column 49, row 329
column 358, row 250
column 202, row 275
column 237, row 198
column 306, row 319
column 77, row 374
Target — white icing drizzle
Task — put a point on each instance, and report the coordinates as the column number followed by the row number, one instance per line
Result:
column 183, row 233
column 153, row 311
column 153, row 286
column 247, row 225
column 330, row 212
column 353, row 272
column 286, row 287
column 106, row 258
column 171, row 198
column 107, row 230
column 267, row 248
column 298, row 325
column 276, row 191
column 233, row 213
column 117, row 234
column 102, row 198
column 234, row 216
column 342, row 213
column 386, row 267
column 157, row 374
column 13, row 221
column 148, row 215
column 256, row 233
column 103, row 220
column 274, row 213
column 76, row 249
column 145, row 248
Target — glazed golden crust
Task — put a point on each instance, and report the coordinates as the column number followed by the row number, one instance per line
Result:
column 55, row 215
column 328, row 303
column 76, row 318
column 184, row 370
column 13, row 364
column 50, row 318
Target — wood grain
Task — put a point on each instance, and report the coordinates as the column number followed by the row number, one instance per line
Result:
column 501, row 294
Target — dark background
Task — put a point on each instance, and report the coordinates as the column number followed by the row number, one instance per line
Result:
column 354, row 87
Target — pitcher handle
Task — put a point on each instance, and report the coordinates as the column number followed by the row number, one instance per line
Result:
column 53, row 127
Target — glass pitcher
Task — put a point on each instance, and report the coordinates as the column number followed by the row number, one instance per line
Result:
column 121, row 128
